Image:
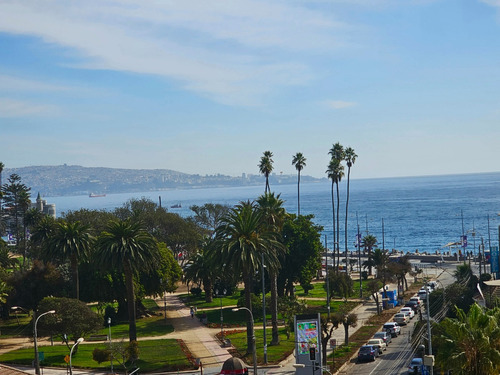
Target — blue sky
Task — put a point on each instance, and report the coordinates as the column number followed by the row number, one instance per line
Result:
column 206, row 87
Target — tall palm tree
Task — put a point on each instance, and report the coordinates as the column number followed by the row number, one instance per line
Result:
column 70, row 241
column 126, row 246
column 266, row 167
column 274, row 216
column 350, row 158
column 241, row 245
column 337, row 154
column 299, row 161
column 200, row 270
column 335, row 173
column 369, row 242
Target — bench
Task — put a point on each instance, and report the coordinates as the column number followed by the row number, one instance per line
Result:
column 281, row 322
column 98, row 338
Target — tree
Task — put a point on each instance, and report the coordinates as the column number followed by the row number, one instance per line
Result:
column 470, row 344
column 373, row 287
column 380, row 260
column 369, row 242
column 345, row 317
column 288, row 308
column 299, row 161
column 266, row 167
column 73, row 318
column 337, row 155
column 350, row 158
column 200, row 270
column 327, row 327
column 70, row 241
column 208, row 216
column 274, row 216
column 335, row 173
column 16, row 198
column 341, row 284
column 302, row 260
column 126, row 246
column 241, row 245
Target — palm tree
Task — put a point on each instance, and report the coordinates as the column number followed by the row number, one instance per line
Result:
column 350, row 158
column 70, row 241
column 299, row 161
column 126, row 246
column 335, row 173
column 266, row 167
column 369, row 242
column 200, row 270
column 242, row 244
column 274, row 216
column 470, row 344
column 337, row 154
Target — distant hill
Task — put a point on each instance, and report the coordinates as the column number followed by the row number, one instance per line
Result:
column 77, row 180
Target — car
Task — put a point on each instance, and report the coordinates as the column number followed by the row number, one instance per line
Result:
column 407, row 313
column 393, row 328
column 433, row 285
column 401, row 318
column 385, row 336
column 417, row 299
column 368, row 353
column 415, row 366
column 414, row 305
column 422, row 293
column 408, row 310
column 379, row 343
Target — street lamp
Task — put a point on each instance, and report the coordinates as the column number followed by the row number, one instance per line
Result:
column 110, row 347
column 15, row 308
column 224, row 291
column 264, row 309
column 71, row 354
column 37, row 362
column 253, row 338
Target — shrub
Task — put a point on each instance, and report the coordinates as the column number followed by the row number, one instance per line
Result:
column 196, row 291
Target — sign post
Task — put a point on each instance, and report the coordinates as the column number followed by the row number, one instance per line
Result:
column 308, row 342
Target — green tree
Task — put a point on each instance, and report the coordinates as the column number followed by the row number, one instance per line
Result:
column 209, row 216
column 341, row 284
column 241, row 245
column 302, row 239
column 126, row 246
column 350, row 158
column 299, row 161
column 274, row 216
column 347, row 318
column 73, row 242
column 470, row 344
column 266, row 167
column 200, row 269
column 289, row 307
column 369, row 242
column 16, row 198
column 373, row 287
column 73, row 318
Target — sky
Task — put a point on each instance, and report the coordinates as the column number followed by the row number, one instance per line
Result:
column 206, row 87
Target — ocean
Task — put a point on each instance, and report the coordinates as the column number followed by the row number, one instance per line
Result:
column 418, row 213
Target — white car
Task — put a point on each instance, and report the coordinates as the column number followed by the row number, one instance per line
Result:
column 416, row 299
column 408, row 310
column 401, row 318
column 393, row 328
column 378, row 343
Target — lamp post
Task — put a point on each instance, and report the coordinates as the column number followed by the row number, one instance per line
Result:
column 220, row 295
column 16, row 308
column 71, row 354
column 254, row 350
column 110, row 348
column 429, row 331
column 327, row 281
column 37, row 362
column 264, row 309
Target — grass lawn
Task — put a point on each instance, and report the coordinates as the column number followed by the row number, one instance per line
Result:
column 275, row 354
column 154, row 355
column 199, row 302
column 146, row 327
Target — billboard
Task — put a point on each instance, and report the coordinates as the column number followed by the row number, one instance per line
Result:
column 308, row 336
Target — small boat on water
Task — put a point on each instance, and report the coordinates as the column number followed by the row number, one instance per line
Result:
column 178, row 205
column 93, row 195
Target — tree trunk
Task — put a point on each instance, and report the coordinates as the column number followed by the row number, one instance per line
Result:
column 207, row 287
column 346, row 213
column 298, row 195
column 129, row 284
column 338, row 226
column 346, row 334
column 76, row 281
column 248, row 304
column 333, row 214
column 274, row 308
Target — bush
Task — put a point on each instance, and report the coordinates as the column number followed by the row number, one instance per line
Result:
column 196, row 291
column 307, row 287
column 101, row 355
column 255, row 300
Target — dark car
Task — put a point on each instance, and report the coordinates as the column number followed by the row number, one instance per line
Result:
column 368, row 353
column 414, row 305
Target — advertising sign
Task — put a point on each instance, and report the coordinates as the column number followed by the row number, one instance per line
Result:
column 308, row 342
column 307, row 336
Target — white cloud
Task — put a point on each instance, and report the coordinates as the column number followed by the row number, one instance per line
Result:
column 17, row 108
column 495, row 3
column 10, row 83
column 234, row 52
column 339, row 104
